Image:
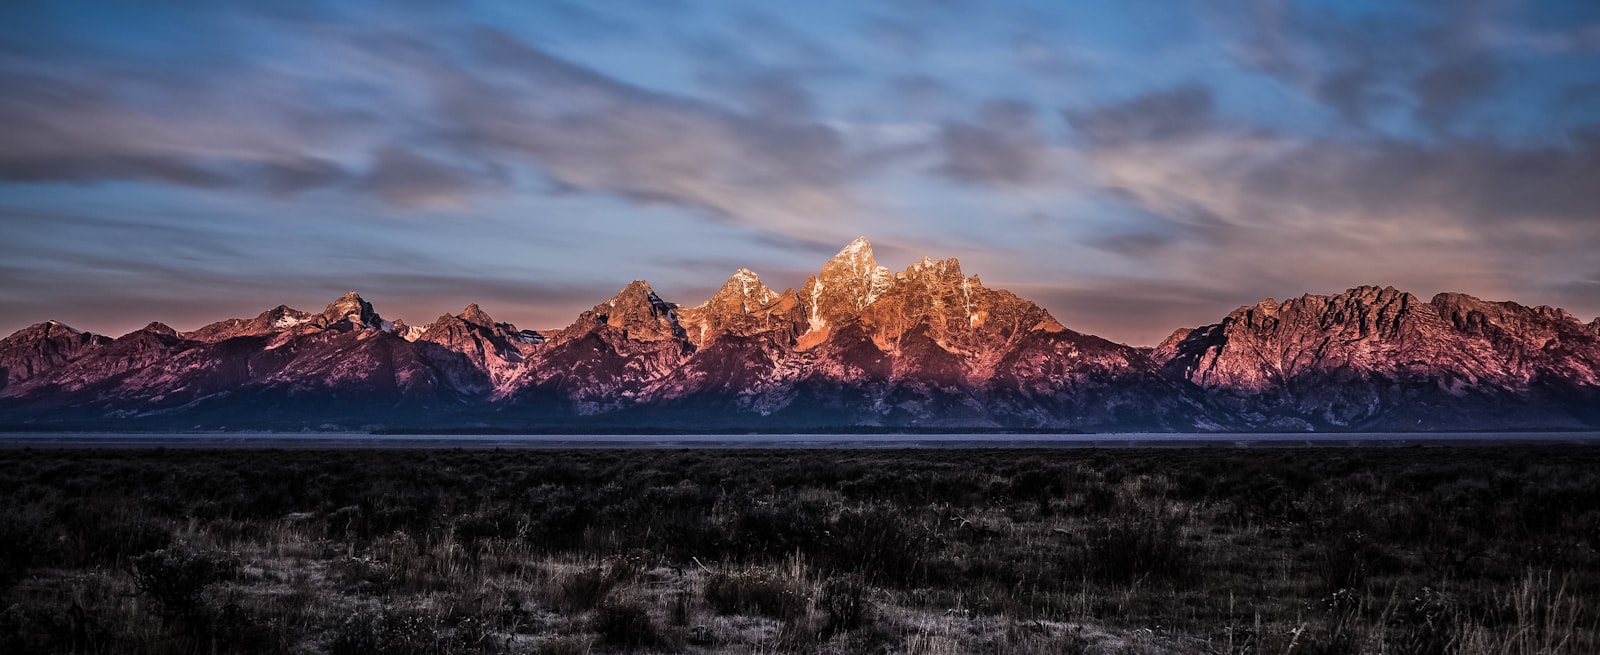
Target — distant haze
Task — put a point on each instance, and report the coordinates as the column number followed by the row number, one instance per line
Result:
column 1132, row 167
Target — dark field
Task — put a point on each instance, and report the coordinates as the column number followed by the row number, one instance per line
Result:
column 1395, row 550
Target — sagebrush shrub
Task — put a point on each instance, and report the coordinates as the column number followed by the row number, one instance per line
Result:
column 628, row 624
column 757, row 591
column 177, row 575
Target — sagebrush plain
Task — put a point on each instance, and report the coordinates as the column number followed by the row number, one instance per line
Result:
column 1362, row 550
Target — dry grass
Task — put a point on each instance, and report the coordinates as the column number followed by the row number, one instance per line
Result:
column 1322, row 552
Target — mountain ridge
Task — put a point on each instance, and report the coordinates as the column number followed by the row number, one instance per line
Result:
column 857, row 346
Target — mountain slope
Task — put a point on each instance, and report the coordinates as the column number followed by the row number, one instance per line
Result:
column 601, row 362
column 926, row 347
column 858, row 346
column 41, row 348
column 338, row 367
column 1379, row 358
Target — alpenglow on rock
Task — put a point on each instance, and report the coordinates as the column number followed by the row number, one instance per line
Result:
column 1379, row 358
column 858, row 346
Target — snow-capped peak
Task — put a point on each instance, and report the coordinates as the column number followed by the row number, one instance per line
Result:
column 855, row 269
column 284, row 317
column 744, row 287
column 855, row 256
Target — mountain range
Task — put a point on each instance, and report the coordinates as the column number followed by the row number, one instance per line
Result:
column 857, row 347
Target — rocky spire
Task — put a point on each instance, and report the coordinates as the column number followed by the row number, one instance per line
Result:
column 850, row 281
column 283, row 317
column 274, row 320
column 157, row 327
column 351, row 307
column 637, row 310
column 41, row 348
column 743, row 307
column 743, row 293
column 476, row 316
column 408, row 332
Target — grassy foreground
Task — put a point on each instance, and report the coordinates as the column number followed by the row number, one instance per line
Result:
column 1425, row 551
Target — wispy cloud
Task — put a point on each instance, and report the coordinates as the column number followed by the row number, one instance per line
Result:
column 1004, row 147
column 1227, row 149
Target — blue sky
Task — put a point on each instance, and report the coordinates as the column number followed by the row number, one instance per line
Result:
column 1133, row 167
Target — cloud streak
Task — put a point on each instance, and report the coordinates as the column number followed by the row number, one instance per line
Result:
column 1004, row 147
column 1110, row 156
column 1236, row 205
column 594, row 133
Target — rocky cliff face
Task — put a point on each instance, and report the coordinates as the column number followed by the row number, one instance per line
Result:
column 353, row 312
column 491, row 353
column 41, row 348
column 602, row 361
column 743, row 307
column 857, row 346
column 846, row 285
column 861, row 346
column 273, row 320
column 284, row 369
column 1381, row 358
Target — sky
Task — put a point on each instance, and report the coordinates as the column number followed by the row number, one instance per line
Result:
column 1134, row 167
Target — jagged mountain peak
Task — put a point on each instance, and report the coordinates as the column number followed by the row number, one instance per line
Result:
column 1385, row 304
column 284, row 317
column 350, row 300
column 51, row 327
column 636, row 309
column 742, row 307
column 1374, row 290
column 744, row 289
column 277, row 319
column 1450, row 304
column 41, row 348
column 847, row 283
column 637, row 289
column 858, row 247
column 159, row 328
column 1369, row 294
column 353, row 308
column 409, row 332
column 1347, row 358
column 854, row 260
column 857, row 345
column 928, row 266
column 931, row 300
column 476, row 316
column 1392, row 308
column 1447, row 298
column 1555, row 313
column 639, row 296
column 1168, row 348
column 1452, row 300
column 474, row 320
